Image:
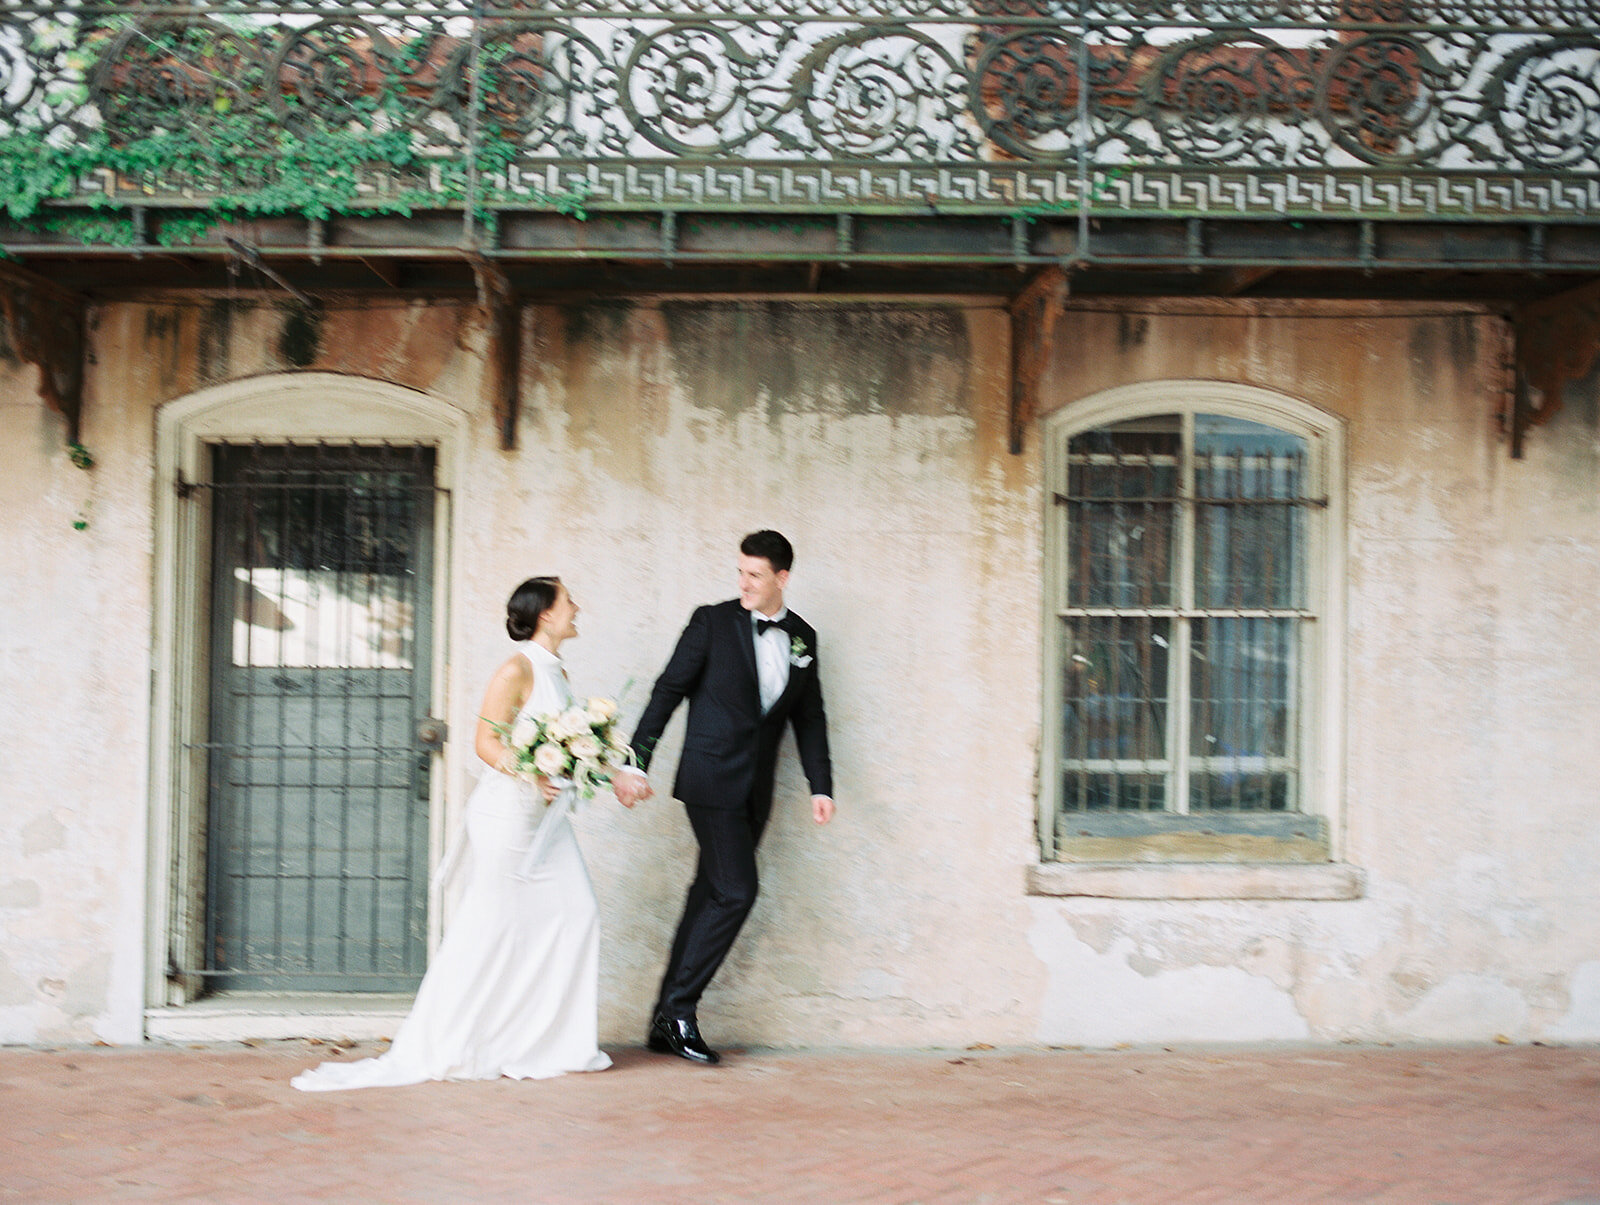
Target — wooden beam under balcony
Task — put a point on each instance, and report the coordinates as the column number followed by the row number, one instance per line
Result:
column 1034, row 313
column 1557, row 342
column 47, row 325
column 503, row 319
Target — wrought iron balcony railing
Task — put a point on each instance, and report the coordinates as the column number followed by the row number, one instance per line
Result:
column 1477, row 110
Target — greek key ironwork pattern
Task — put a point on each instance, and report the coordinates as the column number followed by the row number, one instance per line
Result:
column 1369, row 108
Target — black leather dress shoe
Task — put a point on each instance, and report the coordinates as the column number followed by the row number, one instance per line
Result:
column 682, row 1038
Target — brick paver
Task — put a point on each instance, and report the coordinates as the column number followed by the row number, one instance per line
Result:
column 1313, row 1124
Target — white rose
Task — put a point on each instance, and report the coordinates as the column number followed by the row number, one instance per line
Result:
column 570, row 723
column 584, row 747
column 551, row 759
column 601, row 710
column 524, row 731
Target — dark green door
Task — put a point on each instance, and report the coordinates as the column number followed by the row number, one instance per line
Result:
column 317, row 841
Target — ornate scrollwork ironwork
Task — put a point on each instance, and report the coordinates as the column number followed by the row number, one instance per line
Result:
column 1548, row 114
column 694, row 88
column 332, row 74
column 1213, row 98
column 1382, row 97
column 1029, row 95
column 884, row 90
column 1338, row 107
column 19, row 79
column 176, row 76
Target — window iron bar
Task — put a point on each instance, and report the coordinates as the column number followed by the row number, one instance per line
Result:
column 1185, row 613
column 1177, row 499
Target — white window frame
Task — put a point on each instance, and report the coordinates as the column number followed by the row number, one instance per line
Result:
column 1321, row 729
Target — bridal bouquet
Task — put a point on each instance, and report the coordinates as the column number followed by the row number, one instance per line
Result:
column 578, row 747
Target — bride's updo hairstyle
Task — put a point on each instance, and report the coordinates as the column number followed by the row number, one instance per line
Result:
column 529, row 601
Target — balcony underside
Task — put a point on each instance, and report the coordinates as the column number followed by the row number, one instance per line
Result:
column 622, row 253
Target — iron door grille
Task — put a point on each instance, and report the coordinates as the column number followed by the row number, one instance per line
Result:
column 317, row 836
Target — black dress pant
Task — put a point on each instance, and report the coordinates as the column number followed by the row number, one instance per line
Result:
column 721, row 896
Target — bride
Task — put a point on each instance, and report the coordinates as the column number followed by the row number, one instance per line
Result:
column 512, row 989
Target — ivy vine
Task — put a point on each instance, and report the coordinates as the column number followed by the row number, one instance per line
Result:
column 245, row 165
column 83, row 459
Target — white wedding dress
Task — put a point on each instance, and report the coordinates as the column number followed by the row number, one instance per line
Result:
column 513, row 988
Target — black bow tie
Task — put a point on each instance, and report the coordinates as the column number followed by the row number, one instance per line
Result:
column 763, row 624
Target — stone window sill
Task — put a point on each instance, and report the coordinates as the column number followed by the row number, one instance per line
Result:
column 1197, row 880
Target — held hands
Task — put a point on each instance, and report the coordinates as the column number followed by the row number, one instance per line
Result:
column 630, row 786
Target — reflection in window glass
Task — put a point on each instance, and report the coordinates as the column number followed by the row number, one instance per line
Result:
column 320, row 553
column 321, row 618
column 1122, row 499
column 1114, row 713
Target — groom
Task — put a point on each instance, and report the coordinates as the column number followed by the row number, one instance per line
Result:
column 746, row 666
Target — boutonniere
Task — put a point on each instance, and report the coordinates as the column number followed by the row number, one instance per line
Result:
column 797, row 653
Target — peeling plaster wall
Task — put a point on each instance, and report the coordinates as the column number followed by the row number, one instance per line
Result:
column 652, row 435
column 73, row 720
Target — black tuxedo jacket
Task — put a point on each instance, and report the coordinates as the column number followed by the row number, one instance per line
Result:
column 729, row 748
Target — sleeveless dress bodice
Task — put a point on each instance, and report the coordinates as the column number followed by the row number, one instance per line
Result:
column 551, row 691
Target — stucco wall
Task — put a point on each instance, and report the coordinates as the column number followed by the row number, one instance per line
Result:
column 73, row 683
column 653, row 435
column 1472, row 674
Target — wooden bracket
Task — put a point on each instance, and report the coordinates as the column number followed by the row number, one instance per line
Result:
column 1557, row 340
column 1034, row 312
column 504, row 318
column 47, row 325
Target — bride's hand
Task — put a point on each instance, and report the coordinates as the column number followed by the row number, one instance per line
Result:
column 630, row 788
column 548, row 789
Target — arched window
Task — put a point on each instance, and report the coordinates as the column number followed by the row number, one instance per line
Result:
column 1189, row 600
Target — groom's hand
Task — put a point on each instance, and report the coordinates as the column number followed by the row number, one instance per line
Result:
column 821, row 809
column 630, row 786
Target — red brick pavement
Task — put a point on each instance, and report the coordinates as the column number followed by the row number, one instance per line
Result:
column 1421, row 1125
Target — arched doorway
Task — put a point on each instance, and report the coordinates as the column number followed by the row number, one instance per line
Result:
column 302, row 562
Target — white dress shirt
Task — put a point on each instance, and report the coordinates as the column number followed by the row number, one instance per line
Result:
column 772, row 659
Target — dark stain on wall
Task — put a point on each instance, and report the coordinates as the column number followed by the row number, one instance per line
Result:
column 301, row 339
column 1580, row 412
column 215, row 347
column 160, row 323
column 163, row 335
column 599, row 324
column 1454, row 337
column 1463, row 335
column 790, row 356
column 1132, row 329
column 8, row 350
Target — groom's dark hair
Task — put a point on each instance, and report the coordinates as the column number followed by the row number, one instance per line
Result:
column 771, row 545
column 527, row 602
